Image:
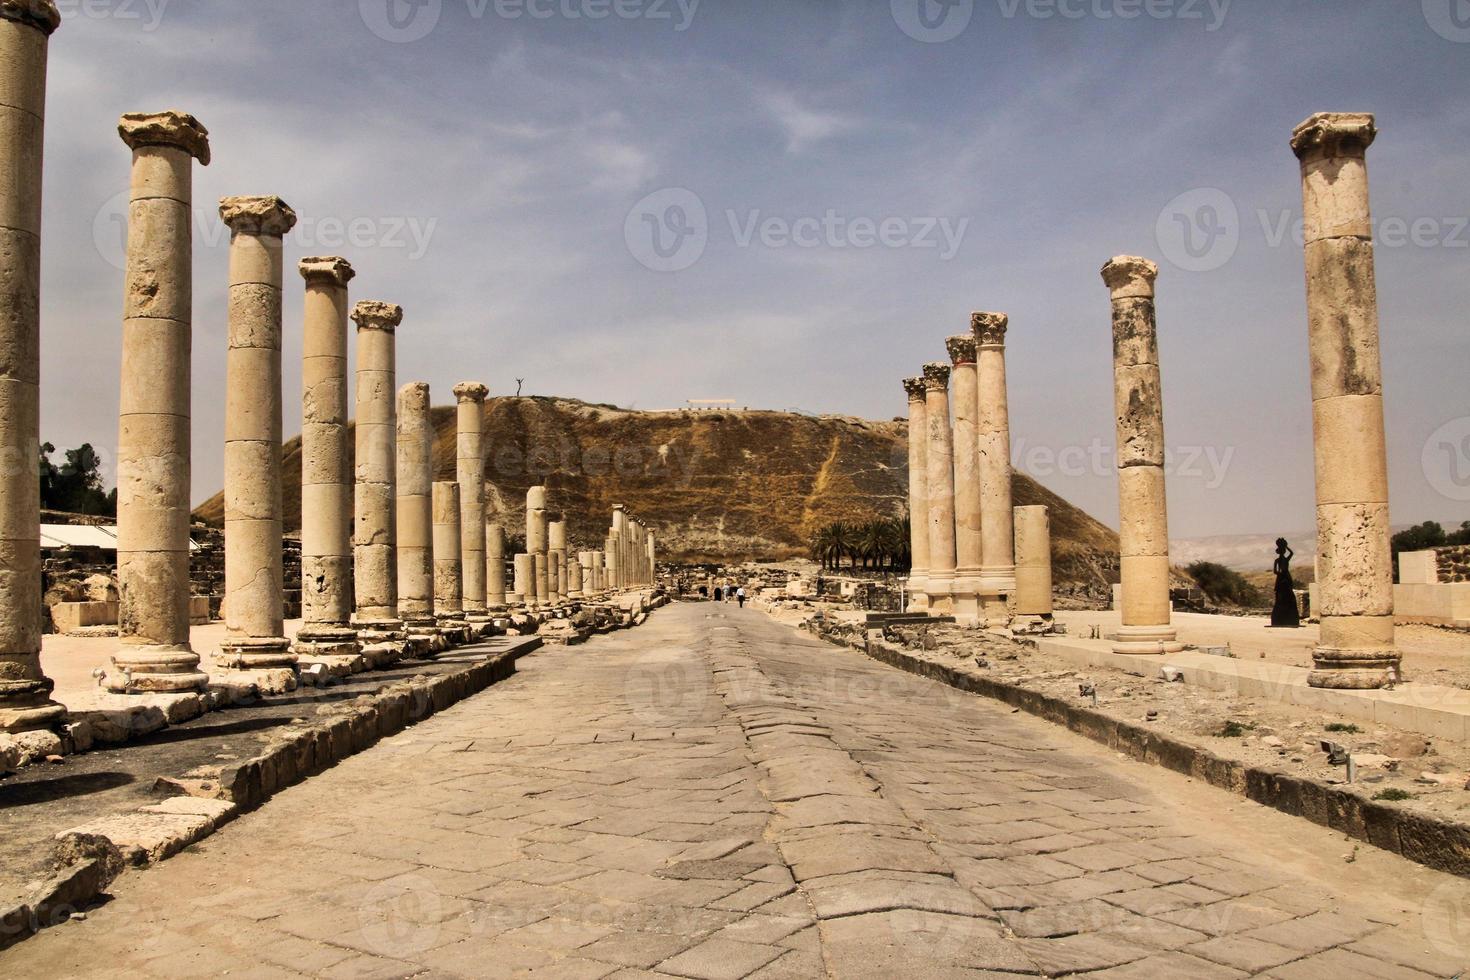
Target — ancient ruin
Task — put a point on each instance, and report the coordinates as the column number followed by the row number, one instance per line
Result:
column 374, row 536
column 998, row 571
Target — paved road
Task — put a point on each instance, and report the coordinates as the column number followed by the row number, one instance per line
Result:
column 715, row 795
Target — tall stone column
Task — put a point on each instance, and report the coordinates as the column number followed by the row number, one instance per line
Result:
column 621, row 571
column 154, row 419
column 1143, row 513
column 415, row 509
column 536, row 534
column 556, row 546
column 1033, row 564
column 543, row 580
column 495, row 597
column 1357, row 645
column 964, row 385
column 374, row 534
column 25, row 690
column 610, row 561
column 448, row 559
column 998, row 549
column 254, row 591
column 525, row 581
column 326, row 482
column 470, row 471
column 918, row 599
column 650, row 556
column 941, row 490
column 599, row 570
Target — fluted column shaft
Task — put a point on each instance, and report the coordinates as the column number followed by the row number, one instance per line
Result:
column 448, row 559
column 25, row 690
column 1143, row 529
column 326, row 481
column 940, row 460
column 254, row 596
column 374, row 530
column 415, row 507
column 1354, row 564
column 154, row 418
column 495, row 598
column 918, row 599
column 998, row 549
column 470, row 472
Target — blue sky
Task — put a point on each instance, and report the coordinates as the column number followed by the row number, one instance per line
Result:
column 863, row 189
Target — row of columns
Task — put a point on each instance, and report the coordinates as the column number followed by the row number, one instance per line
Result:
column 549, row 573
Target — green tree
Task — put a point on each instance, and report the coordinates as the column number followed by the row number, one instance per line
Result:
column 76, row 485
column 1223, row 585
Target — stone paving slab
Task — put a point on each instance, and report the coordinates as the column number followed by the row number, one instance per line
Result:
column 619, row 809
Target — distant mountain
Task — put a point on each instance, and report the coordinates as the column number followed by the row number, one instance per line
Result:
column 1243, row 552
column 714, row 485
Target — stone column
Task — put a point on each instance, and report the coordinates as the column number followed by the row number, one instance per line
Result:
column 1033, row 563
column 374, row 535
column 556, row 546
column 918, row 599
column 448, row 559
column 1143, row 514
column 543, row 584
column 470, row 471
column 495, row 597
column 998, row 562
column 574, row 577
column 621, row 571
column 650, row 556
column 254, row 592
column 940, row 483
column 536, row 531
column 964, row 384
column 25, row 690
column 415, row 508
column 326, row 483
column 525, row 581
column 1357, row 645
column 154, row 420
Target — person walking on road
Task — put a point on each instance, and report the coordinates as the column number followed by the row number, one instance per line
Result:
column 740, row 596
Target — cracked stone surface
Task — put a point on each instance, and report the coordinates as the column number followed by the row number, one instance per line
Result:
column 714, row 795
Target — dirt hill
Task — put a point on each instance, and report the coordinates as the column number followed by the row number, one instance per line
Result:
column 713, row 485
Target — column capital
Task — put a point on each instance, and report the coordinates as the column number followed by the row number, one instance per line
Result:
column 372, row 314
column 471, row 391
column 1334, row 134
column 961, row 349
column 167, row 128
column 414, row 396
column 1130, row 276
column 915, row 388
column 265, row 215
column 326, row 270
column 40, row 14
column 989, row 328
column 936, row 376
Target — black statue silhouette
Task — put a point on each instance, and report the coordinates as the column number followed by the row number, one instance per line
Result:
column 1285, row 612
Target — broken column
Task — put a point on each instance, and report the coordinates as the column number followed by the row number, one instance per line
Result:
column 448, row 559
column 1356, row 647
column 966, row 402
column 524, row 583
column 25, row 690
column 1033, row 566
column 556, row 547
column 415, row 509
column 153, row 450
column 326, row 483
column 254, row 598
column 918, row 429
column 374, row 533
column 470, row 472
column 998, row 562
column 574, row 578
column 1143, row 515
column 535, row 536
column 495, row 597
column 940, row 483
column 542, row 581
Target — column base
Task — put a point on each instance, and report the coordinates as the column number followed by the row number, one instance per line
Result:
column 265, row 661
column 26, row 706
column 1342, row 669
column 1144, row 640
column 156, row 669
column 325, row 640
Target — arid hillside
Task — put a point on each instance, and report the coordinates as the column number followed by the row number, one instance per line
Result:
column 713, row 485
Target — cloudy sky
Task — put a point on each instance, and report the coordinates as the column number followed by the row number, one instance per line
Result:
column 791, row 204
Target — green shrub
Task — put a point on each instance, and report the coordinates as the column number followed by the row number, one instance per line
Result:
column 1223, row 585
column 1393, row 795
